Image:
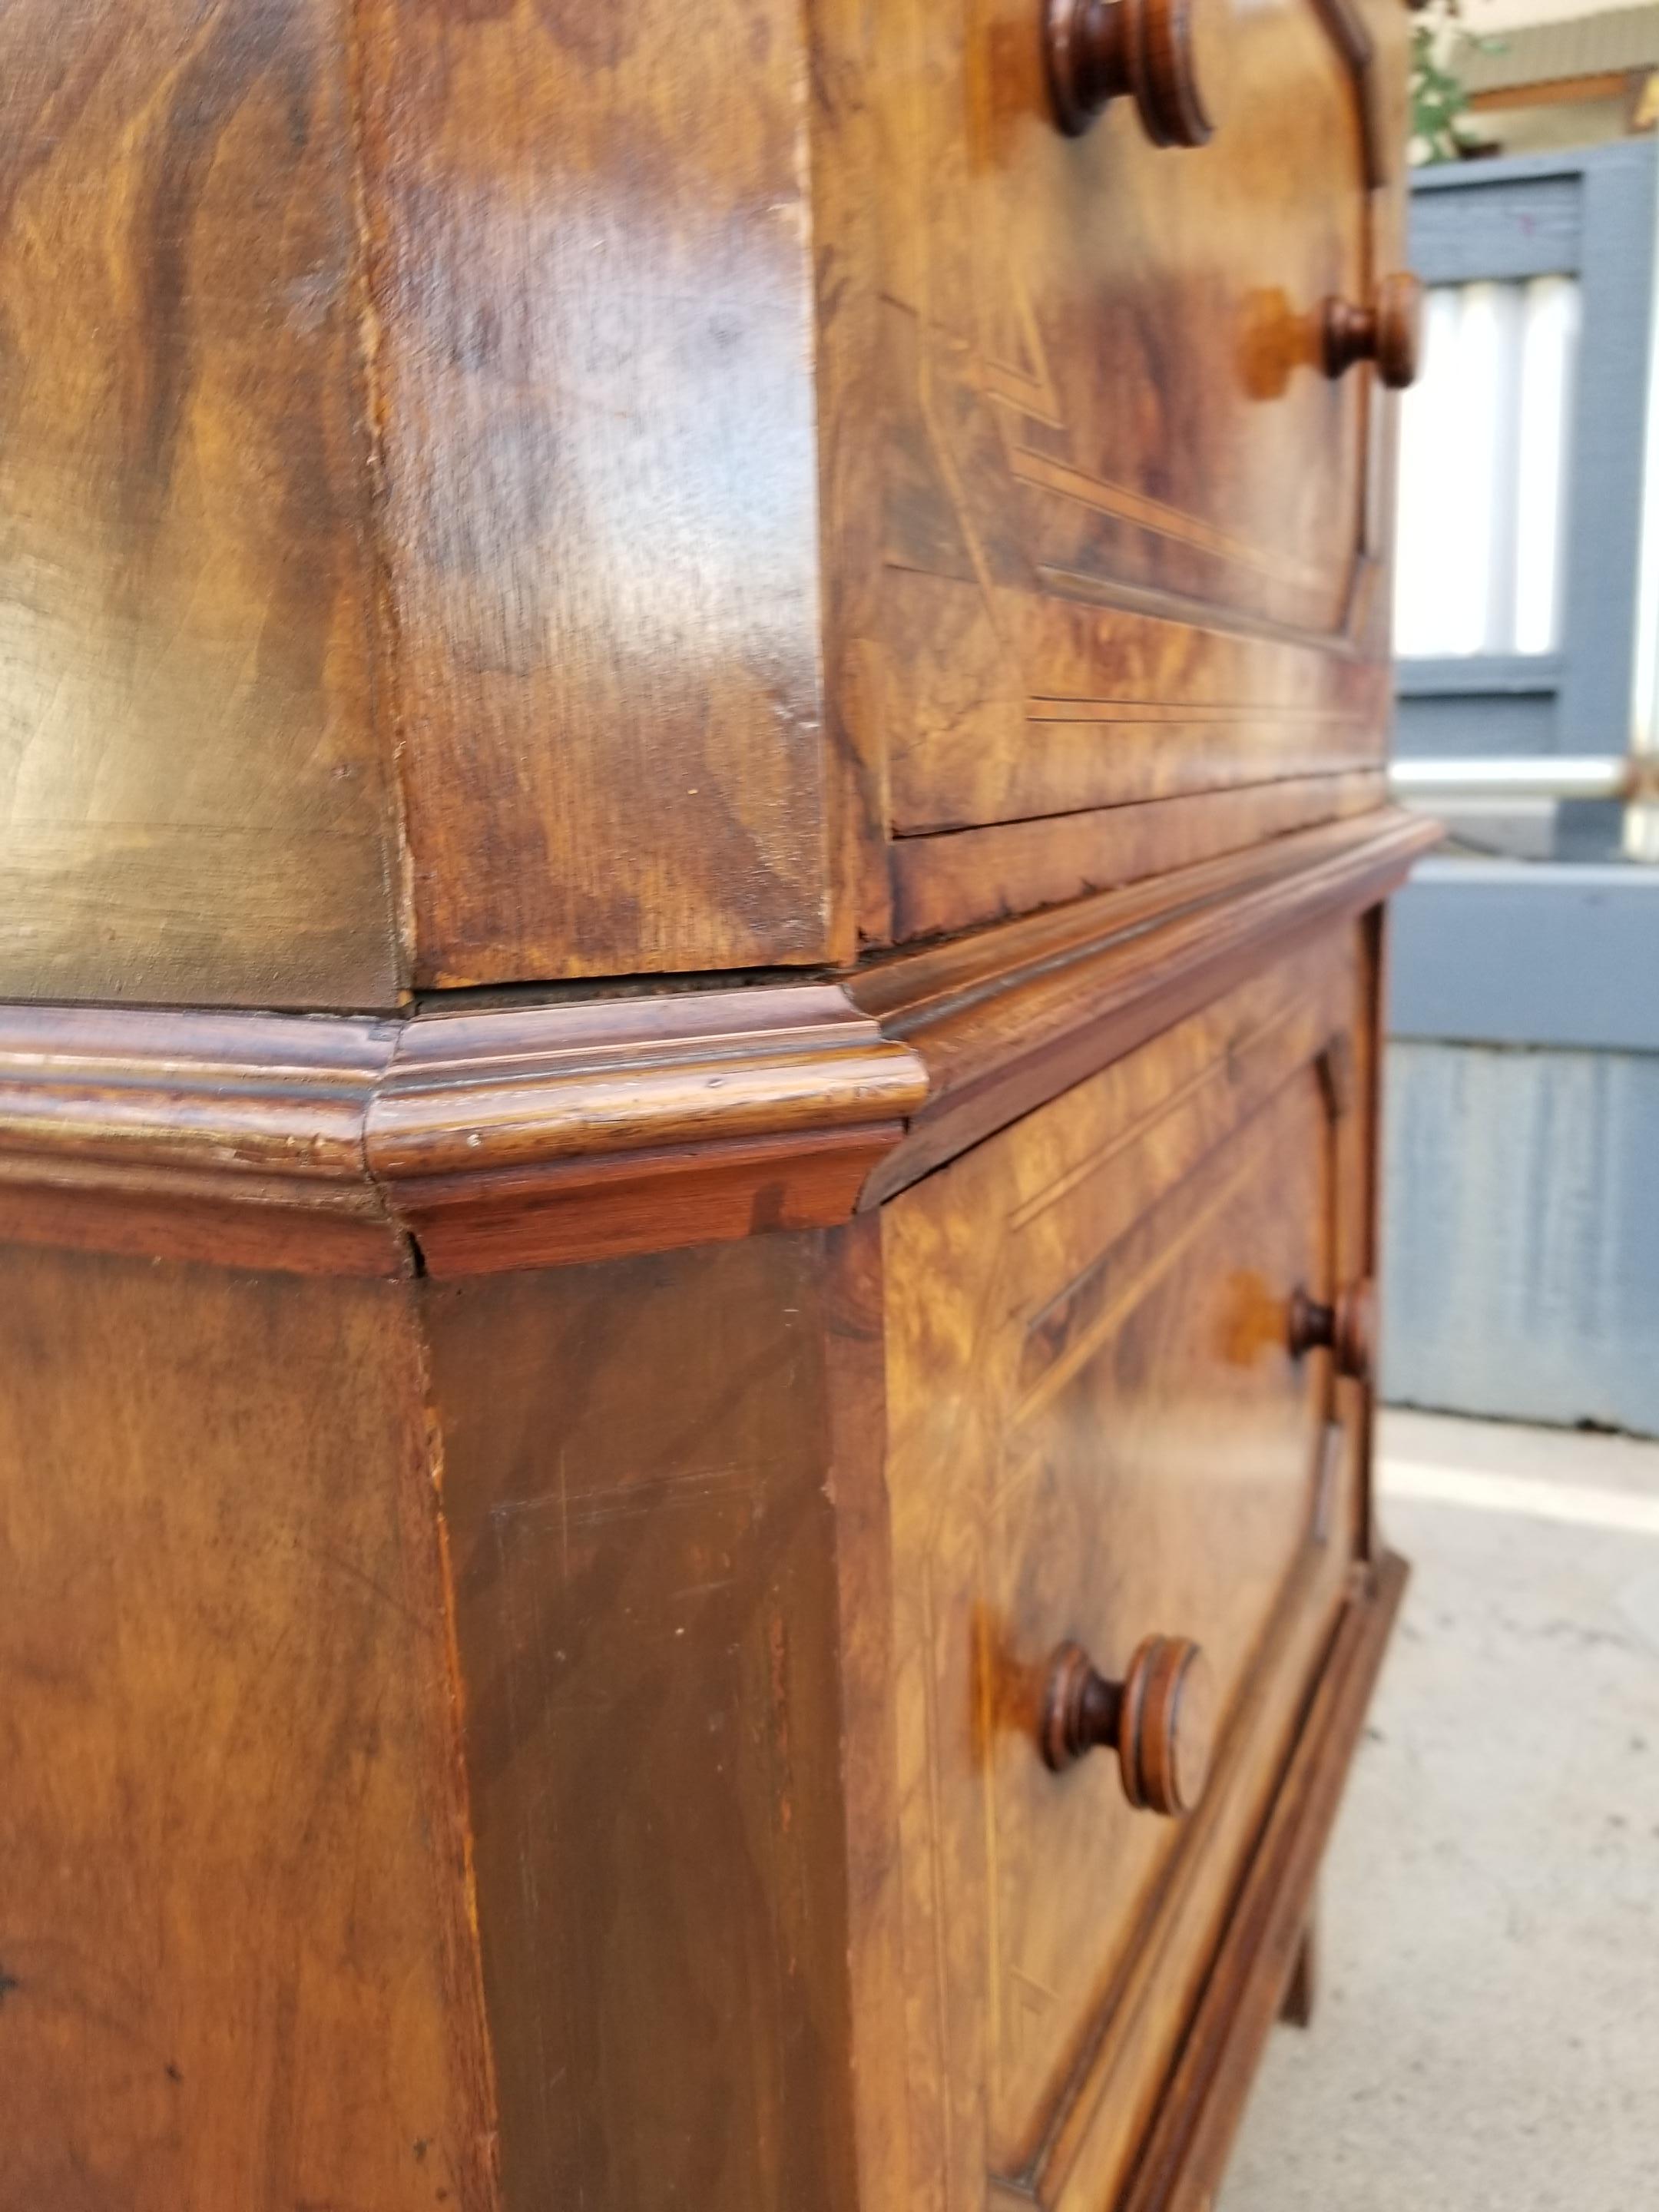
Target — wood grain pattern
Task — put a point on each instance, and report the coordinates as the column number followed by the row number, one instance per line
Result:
column 849, row 152
column 635, row 1465
column 1097, row 1432
column 235, row 1952
column 537, row 1522
column 856, row 1348
column 193, row 800
column 511, row 1138
column 526, row 1135
column 942, row 884
column 491, row 499
column 413, row 385
column 1133, row 538
column 1009, row 1018
column 1181, row 2166
column 1064, row 708
column 592, row 275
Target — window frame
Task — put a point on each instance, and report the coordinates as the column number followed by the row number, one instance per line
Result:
column 1589, row 213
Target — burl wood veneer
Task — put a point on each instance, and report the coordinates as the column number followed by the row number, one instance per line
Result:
column 447, row 448
column 692, row 851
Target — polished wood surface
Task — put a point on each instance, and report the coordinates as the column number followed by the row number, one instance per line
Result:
column 1007, row 1018
column 1134, row 538
column 710, row 1598
column 1159, row 1719
column 513, row 1138
column 1099, row 1429
column 194, row 801
column 1098, row 51
column 524, row 1134
column 410, row 477
column 457, row 1143
column 235, row 1949
column 646, row 1613
column 233, row 1137
column 943, row 884
column 590, row 260
column 453, row 449
column 692, row 829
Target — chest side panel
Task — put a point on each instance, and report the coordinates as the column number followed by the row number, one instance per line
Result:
column 193, row 804
column 236, row 1952
column 592, row 276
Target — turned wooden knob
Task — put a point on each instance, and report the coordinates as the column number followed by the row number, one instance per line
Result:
column 1390, row 332
column 1099, row 50
column 1159, row 1719
column 1347, row 1329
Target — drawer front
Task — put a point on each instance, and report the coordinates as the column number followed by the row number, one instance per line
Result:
column 1099, row 1433
column 1132, row 538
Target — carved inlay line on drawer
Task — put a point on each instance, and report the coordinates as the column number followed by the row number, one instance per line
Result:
column 1087, row 1440
column 1151, row 712
column 1065, row 482
column 1241, row 1067
column 1069, row 1332
column 1033, row 395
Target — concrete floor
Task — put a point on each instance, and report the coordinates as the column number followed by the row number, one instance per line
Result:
column 1487, row 2038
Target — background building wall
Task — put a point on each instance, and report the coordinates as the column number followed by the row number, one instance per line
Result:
column 1522, row 1200
column 1522, row 1221
column 1522, row 1234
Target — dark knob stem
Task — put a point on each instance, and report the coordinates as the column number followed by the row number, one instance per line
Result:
column 1389, row 332
column 1158, row 1719
column 1347, row 1329
column 1099, row 49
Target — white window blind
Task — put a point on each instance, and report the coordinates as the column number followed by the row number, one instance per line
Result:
column 1483, row 470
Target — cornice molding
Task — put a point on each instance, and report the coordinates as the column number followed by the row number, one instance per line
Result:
column 1010, row 1017
column 514, row 1137
column 233, row 1137
column 455, row 1144
column 534, row 1135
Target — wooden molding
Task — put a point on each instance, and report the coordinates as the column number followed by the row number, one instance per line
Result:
column 1010, row 1017
column 1180, row 2165
column 534, row 1135
column 456, row 1143
column 1349, row 31
column 1560, row 91
column 518, row 1138
column 233, row 1137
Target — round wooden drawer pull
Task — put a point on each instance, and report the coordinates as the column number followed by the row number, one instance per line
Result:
column 1099, row 50
column 1390, row 332
column 1347, row 1329
column 1159, row 1719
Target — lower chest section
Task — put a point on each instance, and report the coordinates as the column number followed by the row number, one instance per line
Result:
column 1112, row 1419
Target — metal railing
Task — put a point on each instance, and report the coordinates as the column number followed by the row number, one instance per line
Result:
column 1628, row 777
column 1631, row 779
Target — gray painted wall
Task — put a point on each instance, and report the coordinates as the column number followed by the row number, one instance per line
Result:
column 1521, row 1233
column 1519, row 952
column 1521, row 1194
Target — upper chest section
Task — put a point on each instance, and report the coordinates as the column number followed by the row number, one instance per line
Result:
column 1133, row 527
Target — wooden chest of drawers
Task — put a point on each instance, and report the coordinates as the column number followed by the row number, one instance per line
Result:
column 690, row 913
